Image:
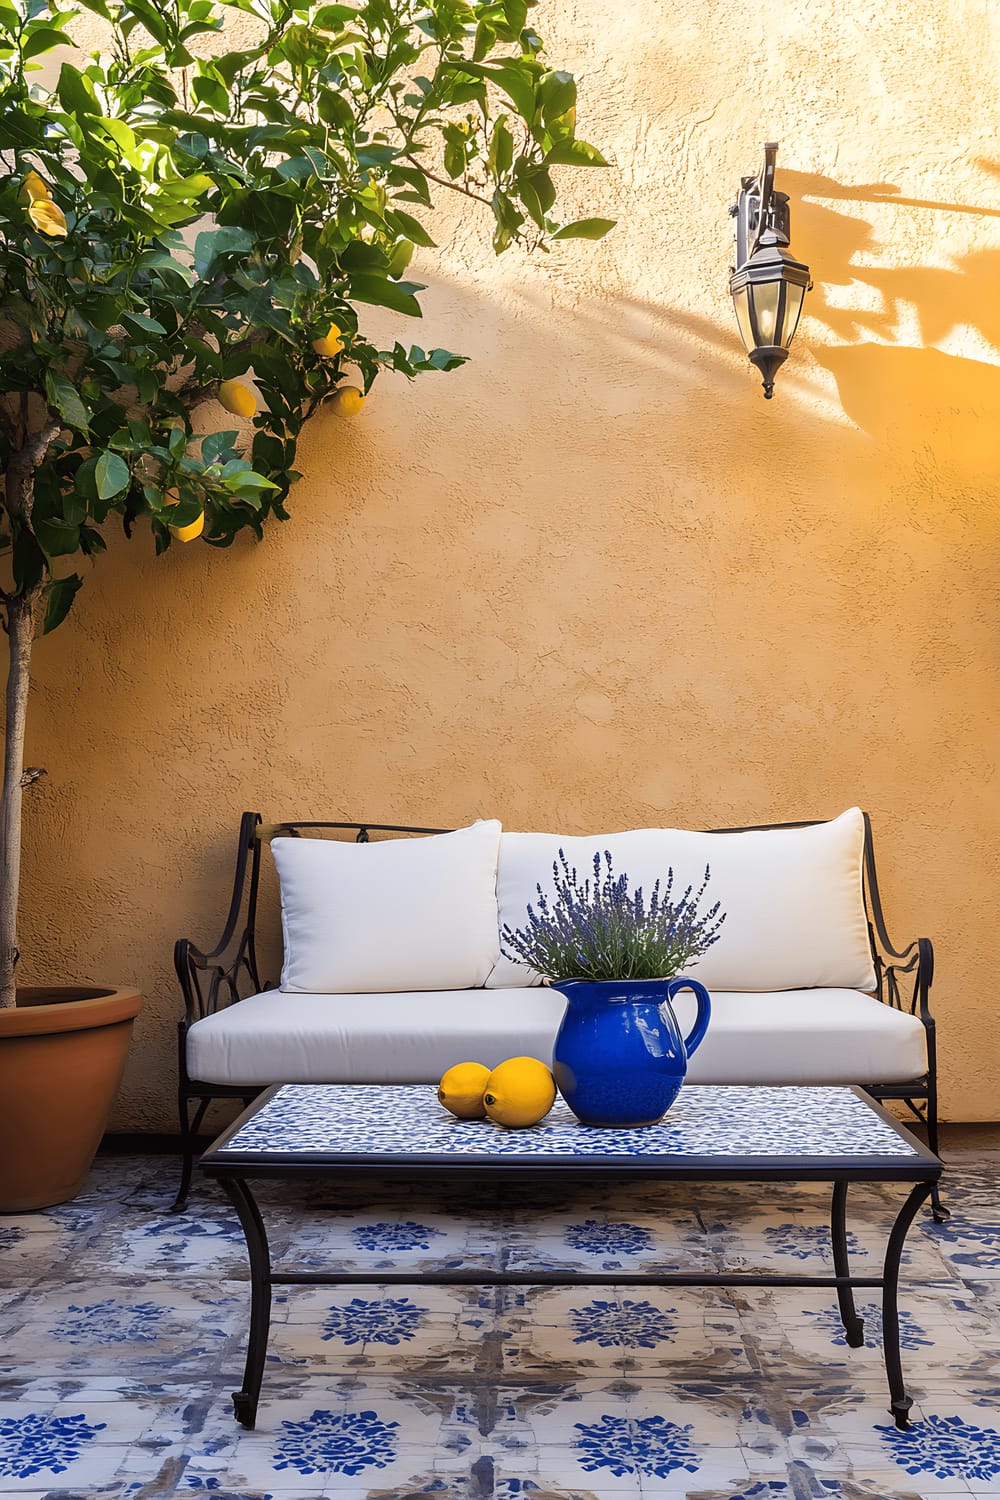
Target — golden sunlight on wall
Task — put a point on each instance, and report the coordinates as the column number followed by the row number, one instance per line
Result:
column 591, row 580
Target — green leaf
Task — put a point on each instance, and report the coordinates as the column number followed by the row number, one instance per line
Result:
column 516, row 82
column 585, row 229
column 516, row 12
column 416, row 180
column 536, row 191
column 411, row 228
column 42, row 39
column 64, row 397
column 229, row 239
column 443, row 359
column 557, row 92
column 381, row 292
column 111, row 475
column 140, row 323
column 124, row 139
column 574, row 154
column 215, row 443
column 454, row 152
column 211, row 92
column 250, row 481
column 334, row 109
column 485, row 41
column 28, row 560
column 333, row 18
column 56, row 537
column 60, row 594
column 501, row 153
column 399, row 259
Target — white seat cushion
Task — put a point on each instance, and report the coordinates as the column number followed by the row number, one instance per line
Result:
column 795, row 1036
column 397, row 914
column 805, row 1036
column 362, row 1038
column 793, row 897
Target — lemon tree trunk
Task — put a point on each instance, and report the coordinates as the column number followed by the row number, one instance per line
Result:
column 20, row 634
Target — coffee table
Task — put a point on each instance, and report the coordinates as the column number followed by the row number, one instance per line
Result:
column 711, row 1134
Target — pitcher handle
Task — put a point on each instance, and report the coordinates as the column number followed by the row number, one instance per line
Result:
column 701, row 1020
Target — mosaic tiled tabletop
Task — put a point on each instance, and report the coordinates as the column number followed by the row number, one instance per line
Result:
column 709, row 1125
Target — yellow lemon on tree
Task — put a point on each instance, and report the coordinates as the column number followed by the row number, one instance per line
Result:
column 461, row 1090
column 330, row 344
column 237, row 398
column 189, row 533
column 348, row 400
column 519, row 1092
column 47, row 217
column 34, row 187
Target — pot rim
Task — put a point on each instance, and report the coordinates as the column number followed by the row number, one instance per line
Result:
column 78, row 1007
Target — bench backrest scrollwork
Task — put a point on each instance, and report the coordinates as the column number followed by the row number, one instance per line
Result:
column 230, row 969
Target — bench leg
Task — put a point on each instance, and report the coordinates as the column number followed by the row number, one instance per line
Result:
column 189, row 1134
column 939, row 1213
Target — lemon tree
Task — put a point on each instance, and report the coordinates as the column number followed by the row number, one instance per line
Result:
column 187, row 219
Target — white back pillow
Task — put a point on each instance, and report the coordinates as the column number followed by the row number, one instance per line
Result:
column 793, row 897
column 398, row 914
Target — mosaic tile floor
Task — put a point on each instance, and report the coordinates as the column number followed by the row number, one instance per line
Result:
column 121, row 1336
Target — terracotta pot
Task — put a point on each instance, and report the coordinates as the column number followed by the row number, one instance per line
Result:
column 62, row 1055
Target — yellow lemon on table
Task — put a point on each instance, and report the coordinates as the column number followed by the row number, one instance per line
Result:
column 189, row 533
column 329, row 344
column 237, row 398
column 461, row 1090
column 348, row 400
column 519, row 1092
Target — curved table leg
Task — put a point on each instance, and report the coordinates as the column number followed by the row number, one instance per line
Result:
column 899, row 1401
column 854, row 1326
column 245, row 1400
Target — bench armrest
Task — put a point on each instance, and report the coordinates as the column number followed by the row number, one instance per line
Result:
column 903, row 979
column 220, row 977
column 903, row 976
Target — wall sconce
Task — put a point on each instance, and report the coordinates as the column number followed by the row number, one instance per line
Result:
column 767, row 285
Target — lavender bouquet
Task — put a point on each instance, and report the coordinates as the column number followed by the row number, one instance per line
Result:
column 601, row 930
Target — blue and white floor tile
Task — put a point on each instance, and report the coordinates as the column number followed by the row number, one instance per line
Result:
column 122, row 1328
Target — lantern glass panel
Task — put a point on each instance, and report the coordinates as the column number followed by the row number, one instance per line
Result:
column 741, row 302
column 794, row 296
column 766, row 295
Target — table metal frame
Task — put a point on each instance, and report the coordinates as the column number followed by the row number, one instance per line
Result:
column 922, row 1171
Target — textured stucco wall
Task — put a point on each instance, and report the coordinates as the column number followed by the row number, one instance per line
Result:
column 591, row 580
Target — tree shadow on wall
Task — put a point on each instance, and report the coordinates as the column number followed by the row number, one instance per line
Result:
column 915, row 395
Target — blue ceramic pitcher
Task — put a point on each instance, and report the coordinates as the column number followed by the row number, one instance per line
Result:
column 619, row 1057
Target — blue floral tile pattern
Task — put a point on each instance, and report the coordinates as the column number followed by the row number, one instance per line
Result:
column 633, row 1325
column 336, row 1443
column 111, row 1322
column 911, row 1335
column 485, row 1393
column 600, row 1237
column 642, row 1445
column 347, row 1121
column 391, row 1237
column 35, row 1443
column 394, row 1321
column 803, row 1240
column 947, row 1447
